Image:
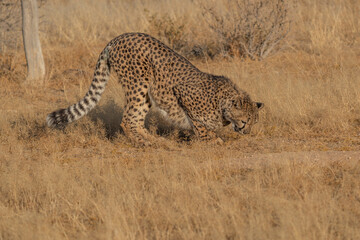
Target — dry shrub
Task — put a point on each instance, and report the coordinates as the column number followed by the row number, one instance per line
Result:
column 169, row 30
column 249, row 28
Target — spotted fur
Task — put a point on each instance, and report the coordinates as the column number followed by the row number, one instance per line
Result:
column 154, row 75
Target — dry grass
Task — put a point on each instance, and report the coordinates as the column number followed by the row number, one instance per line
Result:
column 295, row 177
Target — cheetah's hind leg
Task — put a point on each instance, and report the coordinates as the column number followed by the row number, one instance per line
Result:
column 133, row 123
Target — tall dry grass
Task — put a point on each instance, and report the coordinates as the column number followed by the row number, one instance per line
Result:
column 290, row 179
column 98, row 190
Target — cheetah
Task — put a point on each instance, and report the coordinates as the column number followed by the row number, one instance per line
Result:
column 153, row 75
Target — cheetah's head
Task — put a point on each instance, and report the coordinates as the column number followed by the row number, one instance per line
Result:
column 242, row 113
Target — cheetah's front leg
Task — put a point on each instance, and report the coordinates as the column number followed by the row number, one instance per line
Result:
column 204, row 134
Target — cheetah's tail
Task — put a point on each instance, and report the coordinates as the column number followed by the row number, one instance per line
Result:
column 61, row 117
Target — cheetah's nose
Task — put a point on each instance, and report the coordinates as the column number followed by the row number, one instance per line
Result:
column 236, row 128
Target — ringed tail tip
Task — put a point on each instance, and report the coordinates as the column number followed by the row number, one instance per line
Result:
column 57, row 119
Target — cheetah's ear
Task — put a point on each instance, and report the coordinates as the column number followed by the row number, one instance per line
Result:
column 259, row 105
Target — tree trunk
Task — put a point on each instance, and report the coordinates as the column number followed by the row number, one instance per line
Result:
column 33, row 53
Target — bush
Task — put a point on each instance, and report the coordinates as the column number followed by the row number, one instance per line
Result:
column 168, row 30
column 248, row 28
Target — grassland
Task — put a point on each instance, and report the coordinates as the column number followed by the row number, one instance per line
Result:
column 296, row 176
